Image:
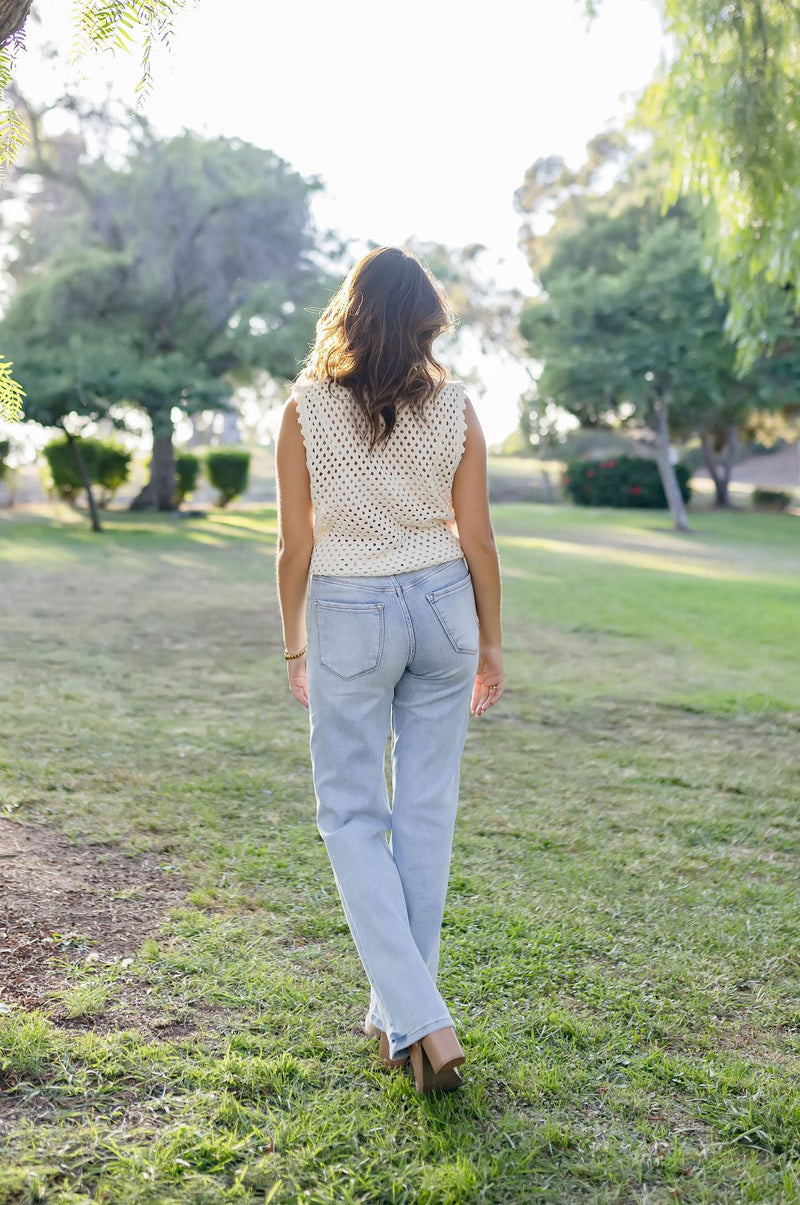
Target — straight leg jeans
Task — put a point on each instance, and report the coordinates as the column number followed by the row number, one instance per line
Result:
column 395, row 655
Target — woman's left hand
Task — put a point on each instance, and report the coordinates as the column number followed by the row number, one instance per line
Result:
column 298, row 679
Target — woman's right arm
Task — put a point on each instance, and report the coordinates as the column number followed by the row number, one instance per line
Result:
column 295, row 544
column 471, row 508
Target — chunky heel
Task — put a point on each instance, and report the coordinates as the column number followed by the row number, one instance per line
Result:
column 435, row 1060
column 372, row 1031
column 385, row 1057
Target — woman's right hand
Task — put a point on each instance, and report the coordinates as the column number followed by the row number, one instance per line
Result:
column 489, row 681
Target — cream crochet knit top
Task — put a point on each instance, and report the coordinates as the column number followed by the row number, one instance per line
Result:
column 389, row 510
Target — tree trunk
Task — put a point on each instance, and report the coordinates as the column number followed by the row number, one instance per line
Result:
column 84, row 475
column 667, row 470
column 13, row 15
column 720, row 471
column 731, row 448
column 159, row 493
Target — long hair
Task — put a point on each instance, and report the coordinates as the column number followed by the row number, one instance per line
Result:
column 376, row 337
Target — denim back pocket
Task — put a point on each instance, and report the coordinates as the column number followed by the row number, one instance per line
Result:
column 455, row 609
column 349, row 636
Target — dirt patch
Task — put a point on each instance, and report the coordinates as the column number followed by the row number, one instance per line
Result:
column 60, row 901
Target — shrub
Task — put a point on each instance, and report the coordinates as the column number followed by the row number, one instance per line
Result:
column 111, row 470
column 621, row 481
column 776, row 500
column 5, row 448
column 228, row 470
column 107, row 464
column 187, row 471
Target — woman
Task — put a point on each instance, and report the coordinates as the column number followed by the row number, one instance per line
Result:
column 382, row 497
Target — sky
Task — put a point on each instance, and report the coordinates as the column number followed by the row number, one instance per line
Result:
column 419, row 116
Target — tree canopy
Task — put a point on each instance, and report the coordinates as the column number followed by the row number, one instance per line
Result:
column 728, row 112
column 99, row 25
column 629, row 324
column 725, row 111
column 159, row 282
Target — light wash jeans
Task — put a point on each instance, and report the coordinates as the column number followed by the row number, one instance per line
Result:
column 392, row 653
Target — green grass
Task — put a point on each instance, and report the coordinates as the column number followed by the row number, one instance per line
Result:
column 620, row 943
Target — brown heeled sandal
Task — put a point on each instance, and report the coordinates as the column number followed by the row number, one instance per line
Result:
column 383, row 1046
column 435, row 1060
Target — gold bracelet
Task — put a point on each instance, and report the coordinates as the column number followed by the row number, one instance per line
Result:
column 287, row 656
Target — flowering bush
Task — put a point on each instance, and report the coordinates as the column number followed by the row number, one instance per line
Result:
column 623, row 481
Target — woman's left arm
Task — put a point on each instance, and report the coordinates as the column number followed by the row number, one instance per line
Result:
column 295, row 543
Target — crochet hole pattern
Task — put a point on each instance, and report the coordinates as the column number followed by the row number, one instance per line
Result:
column 384, row 510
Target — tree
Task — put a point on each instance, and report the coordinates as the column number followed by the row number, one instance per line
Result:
column 555, row 200
column 541, row 430
column 603, row 347
column 640, row 333
column 66, row 382
column 725, row 112
column 614, row 264
column 99, row 25
column 481, row 305
column 192, row 262
column 13, row 15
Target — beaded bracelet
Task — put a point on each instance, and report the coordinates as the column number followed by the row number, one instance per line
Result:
column 287, row 656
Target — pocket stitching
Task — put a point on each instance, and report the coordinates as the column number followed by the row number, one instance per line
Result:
column 377, row 608
column 434, row 597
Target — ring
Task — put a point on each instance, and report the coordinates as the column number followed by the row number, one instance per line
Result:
column 492, row 688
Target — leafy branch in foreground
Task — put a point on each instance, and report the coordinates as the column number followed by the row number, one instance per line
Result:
column 12, row 129
column 11, row 393
column 727, row 111
column 99, row 25
column 115, row 26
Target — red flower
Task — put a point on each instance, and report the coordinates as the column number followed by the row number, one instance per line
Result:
column 636, row 489
column 612, row 464
column 590, row 473
column 566, row 481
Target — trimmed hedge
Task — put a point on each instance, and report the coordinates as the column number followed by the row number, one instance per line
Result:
column 621, row 481
column 228, row 470
column 107, row 464
column 775, row 500
column 187, row 472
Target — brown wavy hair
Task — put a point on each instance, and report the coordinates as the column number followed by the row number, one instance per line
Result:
column 376, row 337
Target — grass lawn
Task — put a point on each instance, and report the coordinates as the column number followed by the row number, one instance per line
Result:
column 620, row 944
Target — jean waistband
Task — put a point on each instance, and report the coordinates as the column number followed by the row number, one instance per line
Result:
column 390, row 582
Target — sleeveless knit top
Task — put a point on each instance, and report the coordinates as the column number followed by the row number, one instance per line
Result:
column 388, row 510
